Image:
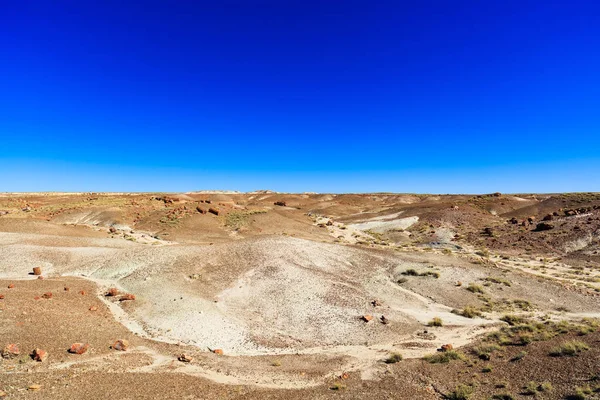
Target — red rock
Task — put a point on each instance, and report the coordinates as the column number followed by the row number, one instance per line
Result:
column 213, row 211
column 93, row 308
column 36, row 297
column 67, row 289
column 1, row 297
column 127, row 296
column 218, row 351
column 39, row 355
column 112, row 292
column 82, row 292
column 11, row 350
column 201, row 210
column 37, row 270
column 344, row 376
column 446, row 347
column 185, row 358
column 121, row 345
column 280, row 203
column 12, row 285
column 47, row 295
column 366, row 318
column 79, row 348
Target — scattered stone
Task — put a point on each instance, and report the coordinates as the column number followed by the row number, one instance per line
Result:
column 218, row 351
column 366, row 318
column 82, row 292
column 3, row 393
column 11, row 350
column 213, row 211
column 185, row 358
column 93, row 308
column 195, row 276
column 40, row 277
column 384, row 320
column 446, row 347
column 459, row 283
column 548, row 217
column 67, row 288
column 376, row 303
column 488, row 231
column 39, row 355
column 201, row 210
column 37, row 270
column 513, row 220
column 112, row 229
column 35, row 387
column 280, row 203
column 112, row 292
column 11, row 286
column 344, row 376
column 1, row 297
column 47, row 295
column 127, row 296
column 79, row 348
column 121, row 345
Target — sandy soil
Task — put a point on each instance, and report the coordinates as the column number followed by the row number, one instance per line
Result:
column 281, row 290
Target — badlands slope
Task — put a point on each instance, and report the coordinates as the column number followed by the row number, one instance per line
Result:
column 301, row 292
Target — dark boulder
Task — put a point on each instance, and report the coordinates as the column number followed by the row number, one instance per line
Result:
column 544, row 226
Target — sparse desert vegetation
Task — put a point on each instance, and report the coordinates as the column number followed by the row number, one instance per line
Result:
column 380, row 285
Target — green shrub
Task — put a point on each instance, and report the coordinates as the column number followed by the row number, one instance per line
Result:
column 512, row 319
column 462, row 392
column 473, row 288
column 468, row 312
column 436, row 321
column 393, row 358
column 502, row 396
column 571, row 348
column 498, row 280
column 410, row 272
column 484, row 352
column 519, row 356
column 444, row 357
column 435, row 274
column 337, row 386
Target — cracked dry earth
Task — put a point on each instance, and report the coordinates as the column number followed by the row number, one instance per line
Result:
column 304, row 299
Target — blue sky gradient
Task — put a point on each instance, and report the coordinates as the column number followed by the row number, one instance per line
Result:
column 432, row 96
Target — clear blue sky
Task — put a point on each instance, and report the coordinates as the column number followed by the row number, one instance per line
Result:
column 329, row 96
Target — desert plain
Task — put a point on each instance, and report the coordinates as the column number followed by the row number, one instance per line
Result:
column 265, row 295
